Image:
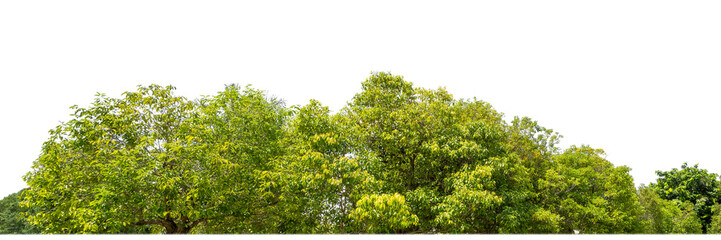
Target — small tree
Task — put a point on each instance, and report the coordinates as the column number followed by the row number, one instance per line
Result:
column 691, row 184
column 12, row 215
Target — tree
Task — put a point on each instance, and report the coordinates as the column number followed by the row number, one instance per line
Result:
column 12, row 215
column 241, row 135
column 152, row 158
column 420, row 138
column 590, row 194
column 715, row 226
column 425, row 140
column 691, row 184
column 664, row 216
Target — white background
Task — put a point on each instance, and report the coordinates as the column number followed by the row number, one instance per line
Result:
column 635, row 78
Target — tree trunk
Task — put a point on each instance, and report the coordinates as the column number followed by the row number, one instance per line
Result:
column 181, row 230
column 172, row 228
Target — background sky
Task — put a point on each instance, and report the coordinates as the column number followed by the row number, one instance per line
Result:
column 639, row 79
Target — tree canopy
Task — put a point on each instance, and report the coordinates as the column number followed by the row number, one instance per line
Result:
column 153, row 158
column 693, row 185
column 396, row 159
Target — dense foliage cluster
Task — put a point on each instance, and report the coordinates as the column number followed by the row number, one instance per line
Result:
column 396, row 159
column 12, row 215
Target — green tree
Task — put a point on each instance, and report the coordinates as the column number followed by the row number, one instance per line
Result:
column 715, row 226
column 152, row 158
column 665, row 216
column 691, row 184
column 417, row 133
column 240, row 134
column 12, row 215
column 590, row 194
column 420, row 137
column 323, row 178
column 423, row 139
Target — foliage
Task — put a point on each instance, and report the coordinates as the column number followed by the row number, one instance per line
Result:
column 396, row 159
column 423, row 202
column 715, row 226
column 322, row 179
column 691, row 184
column 152, row 158
column 534, row 144
column 665, row 216
column 591, row 194
column 384, row 213
column 240, row 133
column 687, row 221
column 423, row 137
column 546, row 221
column 470, row 208
column 12, row 215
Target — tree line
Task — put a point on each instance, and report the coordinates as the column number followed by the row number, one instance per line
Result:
column 395, row 159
